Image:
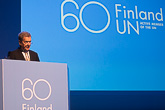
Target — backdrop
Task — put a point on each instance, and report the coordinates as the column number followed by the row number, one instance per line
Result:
column 108, row 45
column 10, row 25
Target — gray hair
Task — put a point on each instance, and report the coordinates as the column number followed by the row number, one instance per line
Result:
column 23, row 34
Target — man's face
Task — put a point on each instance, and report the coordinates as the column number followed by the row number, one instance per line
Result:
column 25, row 43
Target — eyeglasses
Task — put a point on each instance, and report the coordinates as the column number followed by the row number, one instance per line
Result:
column 26, row 42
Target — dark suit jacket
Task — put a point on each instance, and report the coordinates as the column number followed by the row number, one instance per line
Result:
column 17, row 55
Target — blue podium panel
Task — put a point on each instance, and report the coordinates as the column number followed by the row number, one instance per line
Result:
column 34, row 85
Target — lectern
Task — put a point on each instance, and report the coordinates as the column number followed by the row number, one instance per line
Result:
column 29, row 85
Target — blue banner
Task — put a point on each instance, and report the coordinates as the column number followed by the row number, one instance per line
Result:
column 107, row 44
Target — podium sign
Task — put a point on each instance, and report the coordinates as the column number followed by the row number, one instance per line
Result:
column 33, row 85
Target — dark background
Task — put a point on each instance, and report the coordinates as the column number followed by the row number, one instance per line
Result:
column 10, row 26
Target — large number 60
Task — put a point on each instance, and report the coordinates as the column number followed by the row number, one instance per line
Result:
column 81, row 19
column 33, row 91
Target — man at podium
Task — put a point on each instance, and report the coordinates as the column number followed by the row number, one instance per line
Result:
column 24, row 52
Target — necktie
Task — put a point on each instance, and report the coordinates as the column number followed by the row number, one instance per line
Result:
column 27, row 57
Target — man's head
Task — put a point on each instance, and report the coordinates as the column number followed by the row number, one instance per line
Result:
column 24, row 40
